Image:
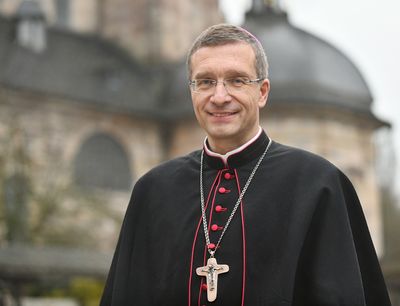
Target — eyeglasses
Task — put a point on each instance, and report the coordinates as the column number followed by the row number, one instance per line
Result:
column 231, row 85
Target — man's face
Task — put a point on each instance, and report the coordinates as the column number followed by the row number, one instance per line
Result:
column 229, row 119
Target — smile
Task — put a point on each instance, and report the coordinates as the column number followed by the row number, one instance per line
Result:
column 222, row 114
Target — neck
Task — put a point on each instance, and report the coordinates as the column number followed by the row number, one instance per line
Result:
column 224, row 147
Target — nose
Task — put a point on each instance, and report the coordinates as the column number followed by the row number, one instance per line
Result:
column 220, row 95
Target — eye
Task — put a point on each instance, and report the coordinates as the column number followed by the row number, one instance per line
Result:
column 204, row 83
column 237, row 82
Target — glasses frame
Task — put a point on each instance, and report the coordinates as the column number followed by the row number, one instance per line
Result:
column 214, row 83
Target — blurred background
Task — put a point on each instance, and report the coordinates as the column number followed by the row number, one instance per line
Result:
column 94, row 93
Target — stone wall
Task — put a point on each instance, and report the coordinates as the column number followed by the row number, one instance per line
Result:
column 152, row 31
column 157, row 31
column 50, row 131
column 83, row 15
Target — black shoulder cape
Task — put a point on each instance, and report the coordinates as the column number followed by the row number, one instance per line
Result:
column 299, row 236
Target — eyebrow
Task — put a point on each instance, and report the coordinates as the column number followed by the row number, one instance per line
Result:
column 229, row 73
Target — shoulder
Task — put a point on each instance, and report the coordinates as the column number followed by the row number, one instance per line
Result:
column 308, row 171
column 307, row 166
column 163, row 182
column 171, row 169
column 299, row 158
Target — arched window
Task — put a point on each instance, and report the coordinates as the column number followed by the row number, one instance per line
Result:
column 102, row 162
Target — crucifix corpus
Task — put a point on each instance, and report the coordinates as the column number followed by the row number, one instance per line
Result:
column 211, row 271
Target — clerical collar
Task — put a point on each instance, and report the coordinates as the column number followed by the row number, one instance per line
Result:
column 239, row 156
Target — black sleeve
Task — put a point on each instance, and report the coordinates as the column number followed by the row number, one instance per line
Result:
column 116, row 291
column 338, row 264
column 106, row 297
column 116, row 288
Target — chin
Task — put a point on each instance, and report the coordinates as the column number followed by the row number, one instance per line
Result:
column 221, row 133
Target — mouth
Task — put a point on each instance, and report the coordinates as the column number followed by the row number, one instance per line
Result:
column 221, row 115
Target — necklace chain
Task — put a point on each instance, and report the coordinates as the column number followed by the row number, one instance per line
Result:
column 203, row 209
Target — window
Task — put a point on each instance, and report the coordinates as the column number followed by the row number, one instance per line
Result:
column 102, row 162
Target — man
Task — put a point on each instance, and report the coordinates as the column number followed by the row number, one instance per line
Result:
column 246, row 220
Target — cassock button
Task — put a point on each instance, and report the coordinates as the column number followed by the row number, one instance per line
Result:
column 228, row 176
column 219, row 208
column 222, row 190
column 211, row 246
column 215, row 227
column 204, row 287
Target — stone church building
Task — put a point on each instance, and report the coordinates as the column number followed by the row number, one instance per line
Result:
column 95, row 93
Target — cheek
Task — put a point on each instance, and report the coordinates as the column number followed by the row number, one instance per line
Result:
column 253, row 103
column 198, row 103
column 195, row 102
column 197, row 108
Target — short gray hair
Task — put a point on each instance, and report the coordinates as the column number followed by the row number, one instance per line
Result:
column 223, row 34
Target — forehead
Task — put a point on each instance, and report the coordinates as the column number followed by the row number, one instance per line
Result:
column 236, row 58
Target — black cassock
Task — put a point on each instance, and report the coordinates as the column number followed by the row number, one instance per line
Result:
column 299, row 236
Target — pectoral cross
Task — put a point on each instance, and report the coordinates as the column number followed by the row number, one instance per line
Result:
column 211, row 271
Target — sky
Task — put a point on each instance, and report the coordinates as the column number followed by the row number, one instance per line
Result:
column 368, row 33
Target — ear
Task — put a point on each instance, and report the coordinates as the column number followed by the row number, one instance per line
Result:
column 264, row 92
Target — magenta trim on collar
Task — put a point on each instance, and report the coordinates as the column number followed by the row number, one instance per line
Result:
column 224, row 157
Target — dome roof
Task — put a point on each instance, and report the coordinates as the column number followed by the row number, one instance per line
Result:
column 304, row 68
